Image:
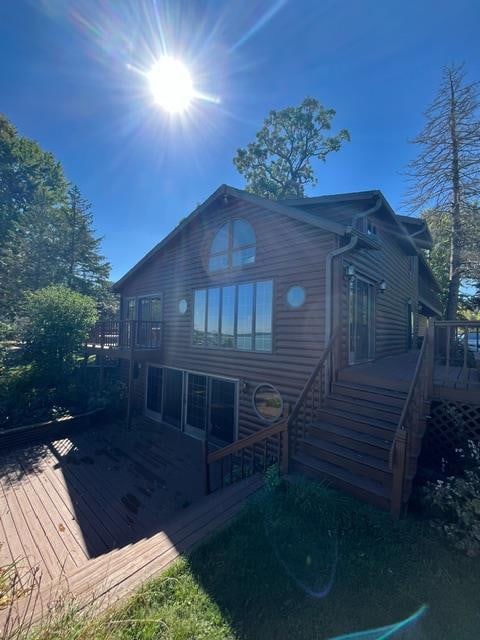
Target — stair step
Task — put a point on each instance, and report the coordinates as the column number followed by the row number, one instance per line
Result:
column 379, row 447
column 354, row 461
column 370, row 393
column 365, row 407
column 372, row 426
column 358, row 486
column 350, row 374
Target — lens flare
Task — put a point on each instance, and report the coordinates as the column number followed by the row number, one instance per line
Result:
column 171, row 85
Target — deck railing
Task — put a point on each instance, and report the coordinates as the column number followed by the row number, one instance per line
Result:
column 125, row 334
column 411, row 425
column 314, row 393
column 246, row 456
column 457, row 349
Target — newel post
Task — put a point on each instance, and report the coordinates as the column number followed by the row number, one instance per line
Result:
column 398, row 472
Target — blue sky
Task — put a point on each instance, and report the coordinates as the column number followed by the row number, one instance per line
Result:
column 70, row 77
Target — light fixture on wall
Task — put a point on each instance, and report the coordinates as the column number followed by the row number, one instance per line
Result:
column 243, row 384
column 382, row 286
column 350, row 271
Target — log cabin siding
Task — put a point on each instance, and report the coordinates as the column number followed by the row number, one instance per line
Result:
column 288, row 252
column 400, row 272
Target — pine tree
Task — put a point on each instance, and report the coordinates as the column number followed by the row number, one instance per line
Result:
column 445, row 176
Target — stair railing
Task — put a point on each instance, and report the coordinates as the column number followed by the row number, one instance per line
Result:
column 246, row 456
column 408, row 435
column 313, row 394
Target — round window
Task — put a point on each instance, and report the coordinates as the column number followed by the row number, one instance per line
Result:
column 183, row 306
column 267, row 402
column 296, row 297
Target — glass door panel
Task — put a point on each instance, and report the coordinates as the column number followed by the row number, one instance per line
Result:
column 222, row 410
column 197, row 394
column 154, row 390
column 173, row 397
column 361, row 321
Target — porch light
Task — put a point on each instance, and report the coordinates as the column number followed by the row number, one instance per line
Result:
column 350, row 271
column 382, row 286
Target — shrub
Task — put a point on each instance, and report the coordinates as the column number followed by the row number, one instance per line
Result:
column 454, row 504
column 57, row 324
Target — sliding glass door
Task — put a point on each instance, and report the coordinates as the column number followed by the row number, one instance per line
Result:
column 194, row 402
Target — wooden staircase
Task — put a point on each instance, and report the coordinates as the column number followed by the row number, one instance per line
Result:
column 348, row 442
column 360, row 434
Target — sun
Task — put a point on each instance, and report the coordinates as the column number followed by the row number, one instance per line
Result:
column 171, row 84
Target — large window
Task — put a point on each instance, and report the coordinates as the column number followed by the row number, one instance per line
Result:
column 233, row 246
column 234, row 317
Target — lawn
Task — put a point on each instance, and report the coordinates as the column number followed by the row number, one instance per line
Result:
column 302, row 562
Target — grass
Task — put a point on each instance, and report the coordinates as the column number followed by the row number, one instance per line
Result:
column 301, row 563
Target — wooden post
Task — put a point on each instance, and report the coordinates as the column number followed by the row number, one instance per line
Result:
column 430, row 359
column 398, row 473
column 131, row 367
column 206, row 466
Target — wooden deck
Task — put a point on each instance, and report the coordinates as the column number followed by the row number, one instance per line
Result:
column 104, row 581
column 396, row 372
column 93, row 516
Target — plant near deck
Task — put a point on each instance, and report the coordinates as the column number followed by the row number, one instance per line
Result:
column 454, row 503
column 58, row 321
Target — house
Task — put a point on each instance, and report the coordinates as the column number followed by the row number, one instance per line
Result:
column 224, row 321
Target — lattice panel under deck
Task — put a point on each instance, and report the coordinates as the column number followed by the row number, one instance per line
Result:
column 450, row 426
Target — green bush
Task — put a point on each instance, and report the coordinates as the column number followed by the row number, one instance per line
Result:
column 57, row 323
column 454, row 504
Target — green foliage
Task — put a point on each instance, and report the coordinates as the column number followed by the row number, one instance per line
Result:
column 46, row 233
column 454, row 504
column 58, row 321
column 278, row 164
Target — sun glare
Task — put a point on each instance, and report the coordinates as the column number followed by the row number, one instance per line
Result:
column 171, row 85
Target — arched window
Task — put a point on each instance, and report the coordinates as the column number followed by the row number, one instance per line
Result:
column 232, row 246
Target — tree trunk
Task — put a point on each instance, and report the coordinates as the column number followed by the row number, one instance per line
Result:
column 456, row 244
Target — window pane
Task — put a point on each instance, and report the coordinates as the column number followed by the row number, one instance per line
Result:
column 296, row 297
column 129, row 309
column 213, row 319
column 199, row 316
column 173, row 396
column 154, row 389
column 243, row 256
column 228, row 317
column 268, row 402
column 218, row 263
column 243, row 233
column 197, row 401
column 263, row 316
column 222, row 410
column 245, row 316
column 150, row 309
column 220, row 242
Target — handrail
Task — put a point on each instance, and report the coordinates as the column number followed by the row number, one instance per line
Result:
column 121, row 334
column 239, row 448
column 308, row 385
column 248, row 441
column 459, row 323
column 408, row 401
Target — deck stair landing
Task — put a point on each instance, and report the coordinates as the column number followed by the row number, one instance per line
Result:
column 348, row 444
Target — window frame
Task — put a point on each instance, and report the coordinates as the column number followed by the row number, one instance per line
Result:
column 231, row 249
column 221, row 286
column 257, row 412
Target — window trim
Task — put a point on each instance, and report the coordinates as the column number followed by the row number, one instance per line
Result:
column 230, row 248
column 282, row 406
column 235, row 317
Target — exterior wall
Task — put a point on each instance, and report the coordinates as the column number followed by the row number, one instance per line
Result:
column 287, row 251
column 400, row 272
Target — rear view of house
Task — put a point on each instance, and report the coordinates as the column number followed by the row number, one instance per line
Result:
column 228, row 322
